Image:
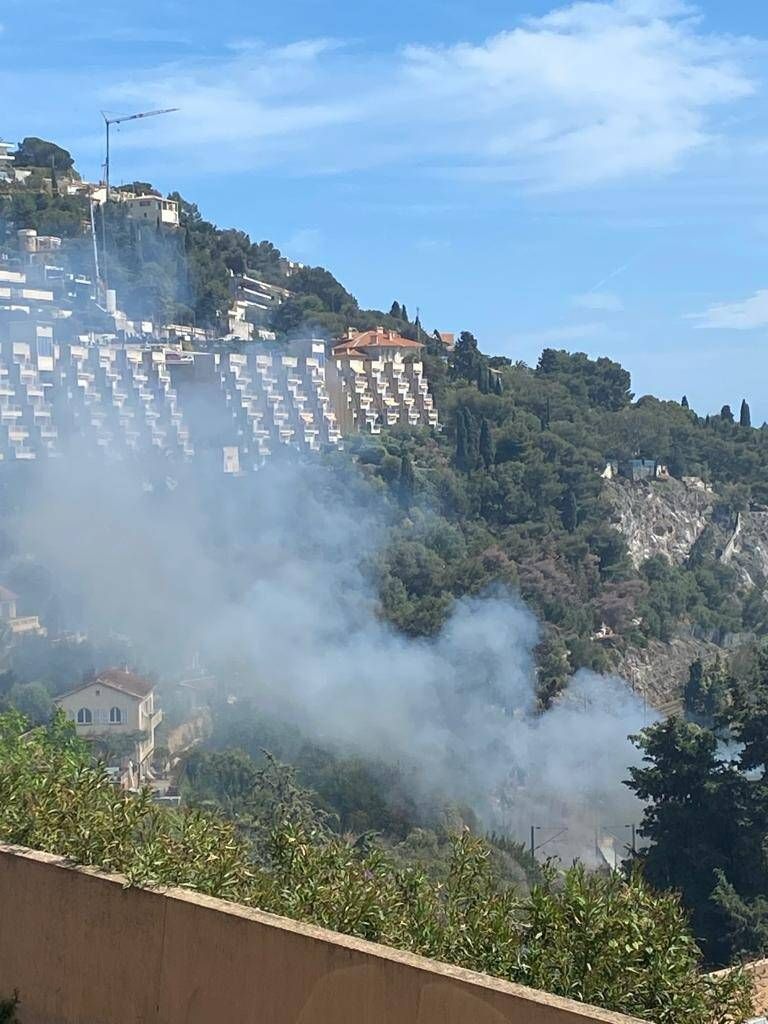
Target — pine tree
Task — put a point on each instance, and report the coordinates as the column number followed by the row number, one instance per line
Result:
column 745, row 416
column 684, row 402
column 486, row 445
column 396, row 311
column 466, row 357
column 570, row 513
column 406, row 482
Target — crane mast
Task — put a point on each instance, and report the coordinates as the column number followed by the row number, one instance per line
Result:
column 108, row 122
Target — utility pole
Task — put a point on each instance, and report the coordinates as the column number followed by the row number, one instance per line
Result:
column 634, row 838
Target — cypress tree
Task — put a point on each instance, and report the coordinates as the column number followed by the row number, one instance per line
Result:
column 462, row 446
column 745, row 416
column 570, row 514
column 473, row 441
column 407, row 481
column 404, row 313
column 487, row 447
column 395, row 311
column 684, row 402
column 498, row 384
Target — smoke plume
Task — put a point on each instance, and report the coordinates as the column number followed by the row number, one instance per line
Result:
column 269, row 573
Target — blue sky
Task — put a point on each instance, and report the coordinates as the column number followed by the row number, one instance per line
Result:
column 589, row 176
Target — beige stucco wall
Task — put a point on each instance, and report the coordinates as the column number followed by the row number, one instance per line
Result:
column 82, row 949
column 98, row 697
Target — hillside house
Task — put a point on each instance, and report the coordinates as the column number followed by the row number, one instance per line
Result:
column 378, row 381
column 116, row 702
column 152, row 210
column 636, row 470
column 14, row 622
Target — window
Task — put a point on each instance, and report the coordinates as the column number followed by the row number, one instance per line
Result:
column 84, row 716
column 115, row 716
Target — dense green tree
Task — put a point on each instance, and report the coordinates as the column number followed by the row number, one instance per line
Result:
column 486, row 445
column 396, row 311
column 707, row 809
column 466, row 359
column 705, row 692
column 407, row 481
column 745, row 417
column 34, row 152
column 684, row 402
column 570, row 512
column 726, row 414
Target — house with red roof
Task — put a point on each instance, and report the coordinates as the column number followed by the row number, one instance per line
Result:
column 116, row 702
column 377, row 380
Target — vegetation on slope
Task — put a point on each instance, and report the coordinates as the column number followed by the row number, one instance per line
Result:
column 706, row 785
column 510, row 492
column 598, row 939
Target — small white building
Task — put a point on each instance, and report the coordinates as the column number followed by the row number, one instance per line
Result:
column 116, row 702
column 6, row 159
column 152, row 210
column 8, row 616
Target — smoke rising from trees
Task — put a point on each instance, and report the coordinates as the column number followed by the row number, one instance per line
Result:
column 269, row 578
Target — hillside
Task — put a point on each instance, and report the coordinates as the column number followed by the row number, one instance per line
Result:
column 510, row 491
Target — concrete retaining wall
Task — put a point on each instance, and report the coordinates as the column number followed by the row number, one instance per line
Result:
column 83, row 949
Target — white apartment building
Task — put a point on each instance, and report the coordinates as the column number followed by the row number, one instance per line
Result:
column 6, row 159
column 378, row 381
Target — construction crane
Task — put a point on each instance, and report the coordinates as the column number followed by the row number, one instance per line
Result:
column 109, row 121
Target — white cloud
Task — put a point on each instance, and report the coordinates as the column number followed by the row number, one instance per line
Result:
column 735, row 316
column 607, row 302
column 591, row 92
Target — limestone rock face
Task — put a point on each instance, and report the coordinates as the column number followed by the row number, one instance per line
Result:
column 660, row 517
column 747, row 549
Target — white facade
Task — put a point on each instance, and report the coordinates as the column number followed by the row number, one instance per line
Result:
column 6, row 159
column 152, row 210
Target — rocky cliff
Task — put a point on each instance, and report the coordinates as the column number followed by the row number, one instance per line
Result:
column 660, row 517
column 675, row 519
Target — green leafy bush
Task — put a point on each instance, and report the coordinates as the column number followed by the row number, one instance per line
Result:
column 585, row 936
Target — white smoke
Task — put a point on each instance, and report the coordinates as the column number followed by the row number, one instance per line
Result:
column 268, row 573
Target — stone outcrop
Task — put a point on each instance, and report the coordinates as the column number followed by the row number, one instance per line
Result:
column 660, row 517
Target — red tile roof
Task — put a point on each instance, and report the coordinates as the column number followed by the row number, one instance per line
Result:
column 117, row 679
column 376, row 338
